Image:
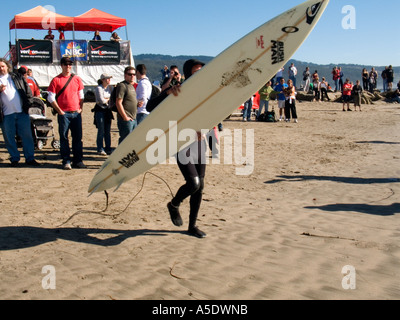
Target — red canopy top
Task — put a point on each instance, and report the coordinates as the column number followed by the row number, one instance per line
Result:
column 92, row 20
column 41, row 18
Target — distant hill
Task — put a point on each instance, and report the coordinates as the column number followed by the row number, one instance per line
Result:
column 156, row 62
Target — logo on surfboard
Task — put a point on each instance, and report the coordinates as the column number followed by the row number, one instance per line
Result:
column 312, row 12
column 278, row 51
column 129, row 160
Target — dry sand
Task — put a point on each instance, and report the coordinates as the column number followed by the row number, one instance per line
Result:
column 324, row 194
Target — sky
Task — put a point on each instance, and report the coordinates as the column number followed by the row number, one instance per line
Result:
column 360, row 32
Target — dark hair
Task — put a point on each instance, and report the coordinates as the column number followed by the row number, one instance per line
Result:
column 141, row 68
column 127, row 69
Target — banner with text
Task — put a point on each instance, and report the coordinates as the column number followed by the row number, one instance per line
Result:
column 34, row 51
column 104, row 52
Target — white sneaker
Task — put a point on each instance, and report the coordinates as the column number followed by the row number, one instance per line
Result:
column 102, row 153
column 67, row 166
column 295, row 121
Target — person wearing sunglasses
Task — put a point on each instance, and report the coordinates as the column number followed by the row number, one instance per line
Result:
column 127, row 104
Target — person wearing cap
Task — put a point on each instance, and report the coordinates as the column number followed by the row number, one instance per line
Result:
column 103, row 115
column 15, row 100
column 191, row 162
column 66, row 97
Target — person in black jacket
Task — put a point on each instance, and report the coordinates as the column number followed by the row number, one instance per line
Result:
column 15, row 101
column 189, row 161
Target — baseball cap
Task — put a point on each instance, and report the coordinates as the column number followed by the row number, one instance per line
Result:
column 66, row 60
column 105, row 76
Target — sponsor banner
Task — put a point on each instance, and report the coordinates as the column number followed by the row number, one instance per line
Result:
column 74, row 49
column 104, row 52
column 34, row 51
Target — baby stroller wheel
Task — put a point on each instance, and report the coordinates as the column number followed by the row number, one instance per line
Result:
column 39, row 145
column 56, row 144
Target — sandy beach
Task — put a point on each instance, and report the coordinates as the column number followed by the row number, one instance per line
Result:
column 322, row 199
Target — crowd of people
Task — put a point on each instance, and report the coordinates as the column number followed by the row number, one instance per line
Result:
column 312, row 83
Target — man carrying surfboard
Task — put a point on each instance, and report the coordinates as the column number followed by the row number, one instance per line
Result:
column 191, row 162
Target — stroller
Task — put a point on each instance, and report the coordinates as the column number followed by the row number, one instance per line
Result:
column 42, row 127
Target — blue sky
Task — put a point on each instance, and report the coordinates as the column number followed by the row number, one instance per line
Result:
column 207, row 27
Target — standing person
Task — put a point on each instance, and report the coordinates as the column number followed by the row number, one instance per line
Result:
column 357, row 92
column 61, row 34
column 103, row 115
column 264, row 93
column 66, row 97
column 248, row 108
column 365, row 78
column 290, row 103
column 346, row 95
column 126, row 102
column 280, row 88
column 15, row 100
column 373, row 79
column 293, row 73
column 143, row 92
column 341, row 76
column 384, row 78
column 390, row 78
column 307, row 79
column 335, row 77
column 191, row 164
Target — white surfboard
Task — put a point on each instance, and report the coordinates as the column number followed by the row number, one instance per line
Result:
column 211, row 94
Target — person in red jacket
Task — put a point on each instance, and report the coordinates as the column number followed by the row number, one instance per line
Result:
column 32, row 84
column 347, row 87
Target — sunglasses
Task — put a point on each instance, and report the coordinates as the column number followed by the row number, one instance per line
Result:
column 131, row 74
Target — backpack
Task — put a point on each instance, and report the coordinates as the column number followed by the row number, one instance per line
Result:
column 113, row 99
column 155, row 91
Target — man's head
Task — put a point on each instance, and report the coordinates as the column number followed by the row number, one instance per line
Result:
column 141, row 70
column 5, row 67
column 129, row 74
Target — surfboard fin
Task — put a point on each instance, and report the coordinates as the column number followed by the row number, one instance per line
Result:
column 119, row 185
column 94, row 190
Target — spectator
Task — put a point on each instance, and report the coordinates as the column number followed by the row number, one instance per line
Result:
column 290, row 103
column 365, row 78
column 357, row 92
column 264, row 93
column 346, row 95
column 103, row 115
column 15, row 100
column 126, row 101
column 292, row 74
column 66, row 97
column 61, row 32
column 280, row 88
column 323, row 86
column 307, row 79
column 96, row 36
column 49, row 36
column 373, row 80
column 23, row 71
column 143, row 92
column 390, row 78
column 115, row 37
column 173, row 79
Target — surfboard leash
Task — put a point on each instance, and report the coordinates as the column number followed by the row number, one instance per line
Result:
column 103, row 212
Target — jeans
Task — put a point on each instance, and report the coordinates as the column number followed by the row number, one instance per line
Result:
column 18, row 124
column 140, row 117
column 262, row 104
column 248, row 106
column 103, row 124
column 125, row 128
column 70, row 121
